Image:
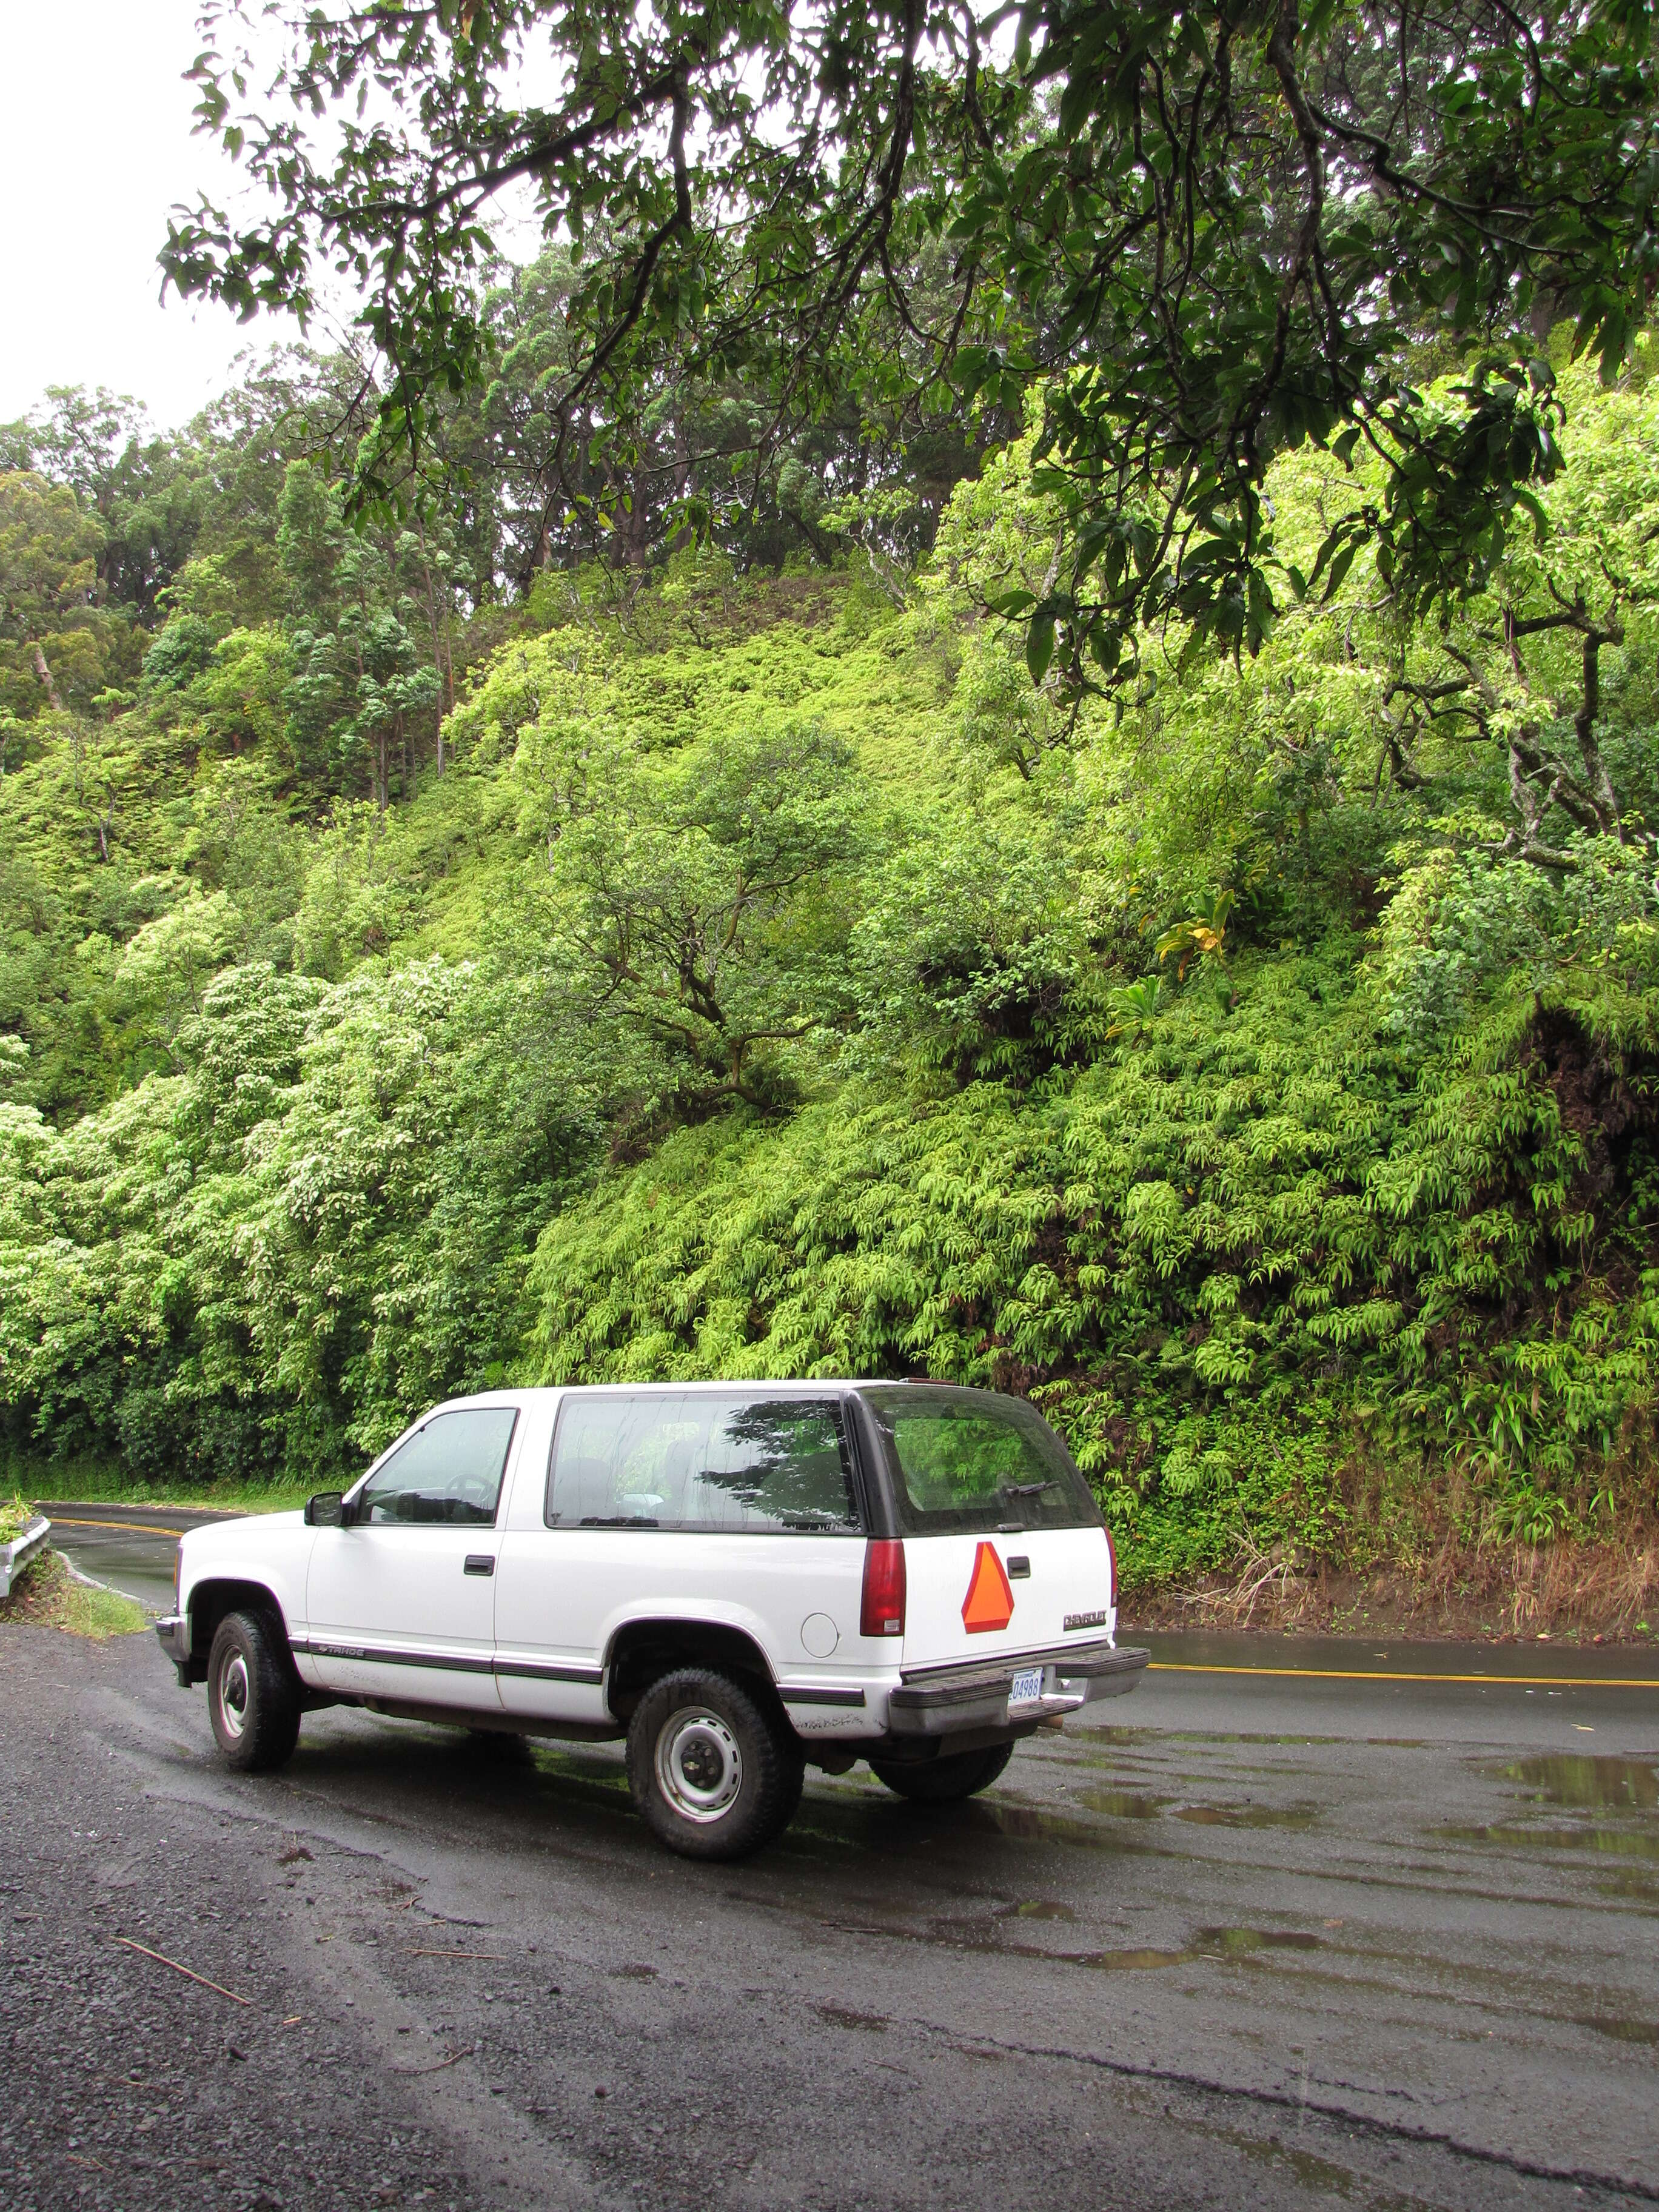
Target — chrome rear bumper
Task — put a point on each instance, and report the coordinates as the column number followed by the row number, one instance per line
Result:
column 939, row 1701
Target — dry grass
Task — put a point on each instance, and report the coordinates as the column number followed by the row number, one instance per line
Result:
column 47, row 1595
column 1587, row 1592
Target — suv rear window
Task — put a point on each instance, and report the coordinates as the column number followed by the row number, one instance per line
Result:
column 974, row 1461
column 703, row 1460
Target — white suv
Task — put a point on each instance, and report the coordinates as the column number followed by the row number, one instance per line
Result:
column 739, row 1578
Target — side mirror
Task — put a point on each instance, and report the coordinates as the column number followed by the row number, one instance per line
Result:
column 325, row 1511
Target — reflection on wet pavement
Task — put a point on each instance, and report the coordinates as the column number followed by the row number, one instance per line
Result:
column 1248, row 1816
column 1122, row 1804
column 1621, row 2031
column 1132, row 1805
column 1620, row 1843
column 1572, row 1778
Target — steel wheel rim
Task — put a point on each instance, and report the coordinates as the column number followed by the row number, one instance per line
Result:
column 233, row 1694
column 699, row 1765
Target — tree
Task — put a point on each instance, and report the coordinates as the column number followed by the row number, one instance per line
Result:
column 1208, row 232
column 361, row 693
column 701, row 903
column 139, row 485
column 48, row 579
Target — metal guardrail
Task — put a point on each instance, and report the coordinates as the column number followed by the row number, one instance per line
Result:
column 17, row 1555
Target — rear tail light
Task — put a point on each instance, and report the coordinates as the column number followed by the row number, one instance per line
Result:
column 882, row 1613
column 1111, row 1570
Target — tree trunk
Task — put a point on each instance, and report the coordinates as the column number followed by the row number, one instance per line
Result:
column 44, row 675
column 639, row 522
column 1606, row 799
column 443, row 660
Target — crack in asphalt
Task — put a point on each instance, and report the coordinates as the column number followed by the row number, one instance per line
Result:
column 1282, row 2101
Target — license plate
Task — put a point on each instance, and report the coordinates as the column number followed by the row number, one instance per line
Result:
column 1026, row 1688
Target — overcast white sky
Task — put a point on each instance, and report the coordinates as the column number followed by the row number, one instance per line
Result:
column 96, row 147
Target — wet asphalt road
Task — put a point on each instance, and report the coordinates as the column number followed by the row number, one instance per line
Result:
column 128, row 1548
column 1254, row 1939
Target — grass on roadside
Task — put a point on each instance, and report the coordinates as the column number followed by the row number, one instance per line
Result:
column 47, row 1595
column 15, row 1514
column 92, row 1482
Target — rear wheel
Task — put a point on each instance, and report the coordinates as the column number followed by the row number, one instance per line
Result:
column 945, row 1781
column 713, row 1774
column 254, row 1699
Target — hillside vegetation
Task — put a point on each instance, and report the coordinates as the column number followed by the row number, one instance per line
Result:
column 752, row 972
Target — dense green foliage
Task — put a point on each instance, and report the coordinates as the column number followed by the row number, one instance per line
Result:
column 762, row 976
column 1204, row 234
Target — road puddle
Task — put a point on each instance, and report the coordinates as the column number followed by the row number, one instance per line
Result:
column 1123, row 1804
column 995, row 1934
column 1214, row 1946
column 1217, row 1946
column 872, row 2023
column 1128, row 1736
column 1235, row 1942
column 1632, row 1885
column 1030, row 1824
column 1249, row 1816
column 1575, row 1779
column 1577, row 1782
column 1617, row 1843
column 1620, row 2031
column 1137, row 1805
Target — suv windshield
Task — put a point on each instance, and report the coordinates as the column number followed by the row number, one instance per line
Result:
column 972, row 1461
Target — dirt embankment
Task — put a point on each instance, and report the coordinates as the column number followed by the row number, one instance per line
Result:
column 1587, row 1592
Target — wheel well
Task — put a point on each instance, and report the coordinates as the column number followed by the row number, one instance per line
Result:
column 211, row 1601
column 643, row 1651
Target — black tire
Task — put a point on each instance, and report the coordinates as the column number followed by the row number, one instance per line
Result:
column 253, row 1695
column 945, row 1781
column 714, row 1775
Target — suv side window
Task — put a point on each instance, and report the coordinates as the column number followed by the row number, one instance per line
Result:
column 447, row 1475
column 702, row 1461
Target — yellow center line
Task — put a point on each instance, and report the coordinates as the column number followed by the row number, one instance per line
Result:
column 137, row 1527
column 1377, row 1675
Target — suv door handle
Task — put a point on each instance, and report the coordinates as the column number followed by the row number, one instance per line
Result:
column 479, row 1563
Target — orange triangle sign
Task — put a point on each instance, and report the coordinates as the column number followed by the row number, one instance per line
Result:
column 989, row 1602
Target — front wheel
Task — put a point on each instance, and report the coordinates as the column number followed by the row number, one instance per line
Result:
column 945, row 1781
column 714, row 1775
column 254, row 1699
